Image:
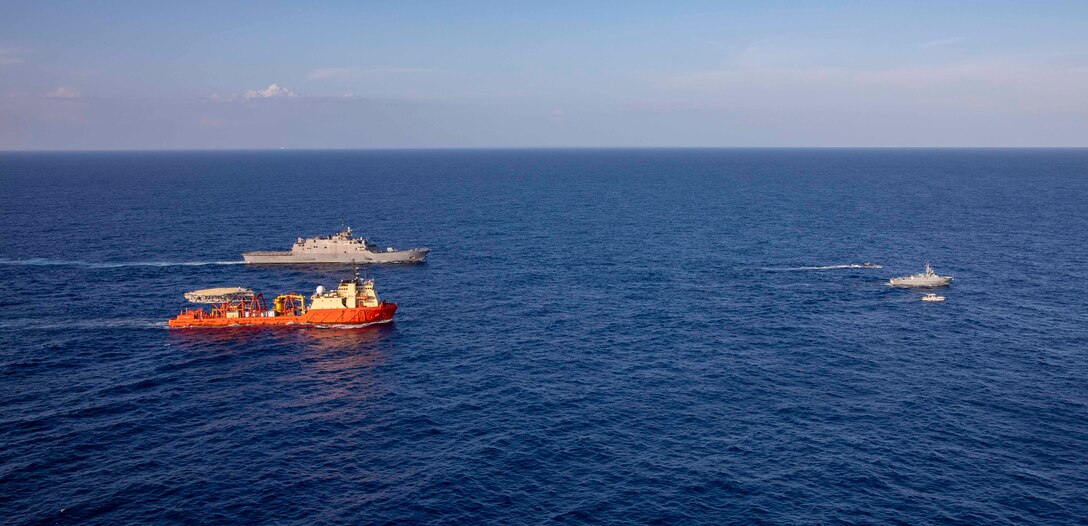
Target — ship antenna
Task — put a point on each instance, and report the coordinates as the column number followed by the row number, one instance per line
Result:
column 356, row 269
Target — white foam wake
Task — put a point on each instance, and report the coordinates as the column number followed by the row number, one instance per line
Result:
column 118, row 264
column 827, row 267
column 350, row 325
column 26, row 324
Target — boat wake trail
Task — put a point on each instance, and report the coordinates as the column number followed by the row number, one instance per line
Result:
column 828, row 267
column 106, row 265
column 28, row 324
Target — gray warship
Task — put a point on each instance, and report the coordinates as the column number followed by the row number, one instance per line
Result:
column 337, row 248
column 925, row 279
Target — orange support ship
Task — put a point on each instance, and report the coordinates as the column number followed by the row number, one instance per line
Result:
column 354, row 303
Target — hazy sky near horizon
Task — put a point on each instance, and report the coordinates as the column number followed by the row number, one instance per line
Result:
column 211, row 75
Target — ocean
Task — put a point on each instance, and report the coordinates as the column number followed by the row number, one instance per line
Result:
column 598, row 337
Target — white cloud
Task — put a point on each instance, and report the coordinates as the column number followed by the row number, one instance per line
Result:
column 557, row 116
column 64, row 92
column 272, row 91
column 275, row 91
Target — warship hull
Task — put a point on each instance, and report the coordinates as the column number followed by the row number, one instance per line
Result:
column 415, row 255
column 939, row 281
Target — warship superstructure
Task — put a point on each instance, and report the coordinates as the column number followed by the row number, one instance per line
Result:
column 338, row 248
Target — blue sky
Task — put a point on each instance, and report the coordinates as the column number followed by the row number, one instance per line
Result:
column 145, row 75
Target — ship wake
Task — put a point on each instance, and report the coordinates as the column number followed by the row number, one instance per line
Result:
column 51, row 324
column 827, row 267
column 36, row 262
column 351, row 325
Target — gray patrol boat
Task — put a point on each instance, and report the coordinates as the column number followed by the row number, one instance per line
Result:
column 925, row 279
column 337, row 248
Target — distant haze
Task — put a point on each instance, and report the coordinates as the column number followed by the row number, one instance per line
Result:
column 200, row 75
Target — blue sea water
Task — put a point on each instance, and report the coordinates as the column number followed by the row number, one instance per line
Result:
column 600, row 336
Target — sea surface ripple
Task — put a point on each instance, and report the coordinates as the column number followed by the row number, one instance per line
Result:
column 600, row 336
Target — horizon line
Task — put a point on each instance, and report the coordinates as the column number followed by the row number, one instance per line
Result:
column 529, row 148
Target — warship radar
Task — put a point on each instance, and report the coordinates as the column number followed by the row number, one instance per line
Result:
column 925, row 279
column 337, row 248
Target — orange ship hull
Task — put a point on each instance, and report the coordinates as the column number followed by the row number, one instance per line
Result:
column 352, row 316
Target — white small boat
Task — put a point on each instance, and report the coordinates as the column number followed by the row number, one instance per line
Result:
column 932, row 297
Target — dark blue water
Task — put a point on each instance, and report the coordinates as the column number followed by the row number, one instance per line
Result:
column 608, row 337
